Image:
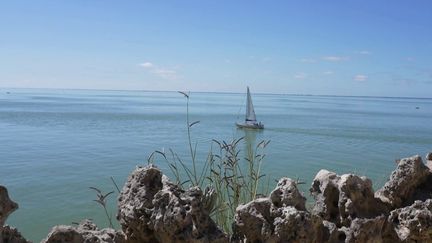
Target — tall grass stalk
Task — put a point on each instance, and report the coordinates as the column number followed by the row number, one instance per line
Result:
column 102, row 200
column 236, row 180
column 227, row 178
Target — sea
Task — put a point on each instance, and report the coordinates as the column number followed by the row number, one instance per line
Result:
column 55, row 144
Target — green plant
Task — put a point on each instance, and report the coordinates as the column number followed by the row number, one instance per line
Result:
column 175, row 163
column 115, row 184
column 101, row 200
column 227, row 178
column 236, row 180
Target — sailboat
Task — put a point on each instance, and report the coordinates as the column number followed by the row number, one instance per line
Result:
column 250, row 120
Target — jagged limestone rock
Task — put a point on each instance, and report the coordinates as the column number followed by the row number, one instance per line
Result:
column 429, row 156
column 135, row 203
column 85, row 232
column 279, row 218
column 7, row 206
column 293, row 225
column 341, row 199
column 413, row 223
column 366, row 230
column 253, row 221
column 408, row 177
column 287, row 194
column 11, row 235
column 152, row 209
column 429, row 161
column 334, row 234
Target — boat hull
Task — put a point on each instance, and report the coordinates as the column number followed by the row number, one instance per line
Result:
column 250, row 126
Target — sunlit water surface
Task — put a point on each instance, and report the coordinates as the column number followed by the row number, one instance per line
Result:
column 57, row 143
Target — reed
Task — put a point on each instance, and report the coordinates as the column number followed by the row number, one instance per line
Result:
column 227, row 177
column 236, row 180
column 102, row 200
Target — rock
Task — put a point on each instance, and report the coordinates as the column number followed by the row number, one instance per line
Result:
column 325, row 191
column 253, row 221
column 413, row 223
column 429, row 156
column 12, row 235
column 429, row 161
column 152, row 209
column 260, row 221
column 333, row 233
column 63, row 234
column 294, row 225
column 85, row 232
column 135, row 203
column 360, row 230
column 341, row 199
column 366, row 230
column 7, row 206
column 278, row 218
column 409, row 176
column 287, row 194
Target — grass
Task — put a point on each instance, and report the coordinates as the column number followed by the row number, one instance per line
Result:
column 236, row 180
column 227, row 177
column 102, row 200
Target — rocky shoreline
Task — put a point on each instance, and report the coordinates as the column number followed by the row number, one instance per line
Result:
column 346, row 209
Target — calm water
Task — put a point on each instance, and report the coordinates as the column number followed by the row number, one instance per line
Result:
column 57, row 143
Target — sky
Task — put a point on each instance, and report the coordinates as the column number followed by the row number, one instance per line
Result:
column 366, row 48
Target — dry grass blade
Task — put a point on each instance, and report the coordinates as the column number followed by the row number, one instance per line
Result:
column 97, row 190
column 101, row 200
column 161, row 153
column 238, row 140
column 115, row 184
column 215, row 141
column 184, row 182
column 103, row 197
column 184, row 93
column 193, row 123
column 260, row 144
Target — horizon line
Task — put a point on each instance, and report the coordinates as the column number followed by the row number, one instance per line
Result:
column 221, row 92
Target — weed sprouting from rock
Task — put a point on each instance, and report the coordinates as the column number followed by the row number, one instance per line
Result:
column 102, row 200
column 226, row 177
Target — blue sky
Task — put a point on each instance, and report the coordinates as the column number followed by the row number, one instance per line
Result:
column 377, row 48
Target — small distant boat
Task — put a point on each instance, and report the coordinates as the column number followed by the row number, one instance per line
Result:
column 250, row 121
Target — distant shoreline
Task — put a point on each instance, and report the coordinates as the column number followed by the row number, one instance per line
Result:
column 223, row 92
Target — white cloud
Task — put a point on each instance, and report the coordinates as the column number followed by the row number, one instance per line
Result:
column 300, row 76
column 335, row 58
column 308, row 60
column 360, row 77
column 161, row 72
column 328, row 72
column 147, row 65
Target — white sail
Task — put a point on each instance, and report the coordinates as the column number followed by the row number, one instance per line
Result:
column 250, row 121
column 250, row 112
